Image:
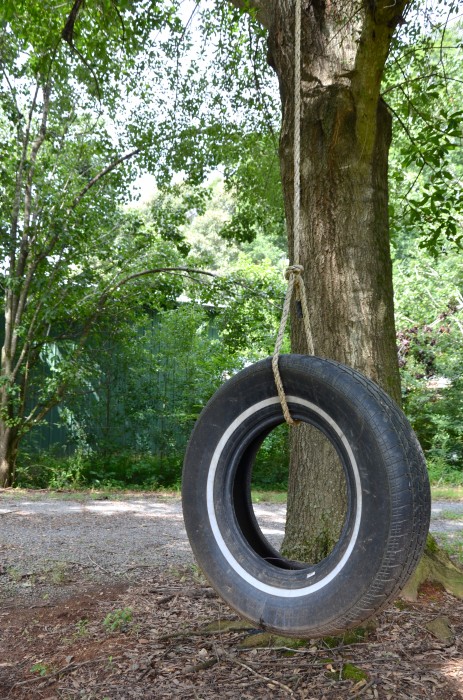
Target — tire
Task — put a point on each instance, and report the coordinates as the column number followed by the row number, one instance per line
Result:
column 388, row 509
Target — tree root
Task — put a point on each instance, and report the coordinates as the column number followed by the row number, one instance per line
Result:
column 436, row 567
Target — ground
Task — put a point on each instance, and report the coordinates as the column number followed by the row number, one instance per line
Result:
column 101, row 599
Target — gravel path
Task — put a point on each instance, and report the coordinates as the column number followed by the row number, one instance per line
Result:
column 45, row 542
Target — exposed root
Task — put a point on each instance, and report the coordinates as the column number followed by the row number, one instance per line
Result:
column 435, row 566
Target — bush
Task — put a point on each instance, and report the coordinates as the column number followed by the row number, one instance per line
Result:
column 119, row 470
column 140, row 470
column 441, row 473
column 437, row 418
column 127, row 469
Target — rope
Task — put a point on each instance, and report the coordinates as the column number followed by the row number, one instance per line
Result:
column 294, row 272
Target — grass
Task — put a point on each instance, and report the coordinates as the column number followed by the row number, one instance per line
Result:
column 450, row 515
column 447, row 493
column 439, row 492
column 59, row 573
column 83, row 494
column 14, row 573
column 259, row 496
column 119, row 620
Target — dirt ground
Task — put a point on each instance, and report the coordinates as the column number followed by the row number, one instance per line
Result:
column 101, row 600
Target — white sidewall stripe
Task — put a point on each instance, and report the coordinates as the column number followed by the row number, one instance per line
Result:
column 245, row 575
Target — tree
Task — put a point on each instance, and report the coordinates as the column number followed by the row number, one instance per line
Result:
column 145, row 376
column 78, row 116
column 67, row 248
column 345, row 137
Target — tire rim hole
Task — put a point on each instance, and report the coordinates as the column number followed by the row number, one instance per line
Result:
column 271, row 469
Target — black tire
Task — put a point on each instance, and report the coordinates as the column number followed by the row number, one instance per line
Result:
column 388, row 509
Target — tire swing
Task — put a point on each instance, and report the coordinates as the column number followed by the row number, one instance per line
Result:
column 387, row 516
column 388, row 498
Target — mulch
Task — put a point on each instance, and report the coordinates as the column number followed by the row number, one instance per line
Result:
column 169, row 636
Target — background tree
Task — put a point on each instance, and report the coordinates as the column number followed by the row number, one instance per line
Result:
column 78, row 115
column 152, row 361
column 65, row 172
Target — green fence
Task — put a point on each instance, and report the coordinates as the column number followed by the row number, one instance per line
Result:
column 141, row 393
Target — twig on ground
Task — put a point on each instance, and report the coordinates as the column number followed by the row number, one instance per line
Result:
column 109, row 573
column 273, row 681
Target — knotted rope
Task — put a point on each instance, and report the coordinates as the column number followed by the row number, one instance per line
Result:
column 294, row 272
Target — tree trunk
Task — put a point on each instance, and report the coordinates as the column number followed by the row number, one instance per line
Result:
column 8, row 434
column 8, row 453
column 344, row 238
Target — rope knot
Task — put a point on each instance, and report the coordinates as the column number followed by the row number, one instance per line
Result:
column 293, row 270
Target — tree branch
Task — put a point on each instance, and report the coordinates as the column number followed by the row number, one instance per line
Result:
column 19, row 180
column 13, row 92
column 68, row 36
column 19, row 302
column 36, row 145
column 11, row 299
column 68, row 31
column 373, row 48
column 37, row 309
column 188, row 270
column 101, row 174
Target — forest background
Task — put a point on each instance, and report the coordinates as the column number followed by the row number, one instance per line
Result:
column 125, row 315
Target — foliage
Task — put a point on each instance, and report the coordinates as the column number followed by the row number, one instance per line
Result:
column 78, row 117
column 452, row 543
column 255, row 183
column 271, row 466
column 430, row 322
column 209, row 234
column 146, row 471
column 224, row 94
column 41, row 668
column 422, row 89
column 63, row 175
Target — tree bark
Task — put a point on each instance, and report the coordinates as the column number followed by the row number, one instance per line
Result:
column 8, row 453
column 345, row 138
